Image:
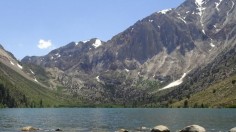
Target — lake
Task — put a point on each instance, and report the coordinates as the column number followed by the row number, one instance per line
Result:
column 103, row 119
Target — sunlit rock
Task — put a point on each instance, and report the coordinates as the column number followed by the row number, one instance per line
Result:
column 233, row 129
column 123, row 130
column 29, row 128
column 193, row 128
column 160, row 128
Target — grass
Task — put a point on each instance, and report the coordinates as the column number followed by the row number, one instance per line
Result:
column 220, row 94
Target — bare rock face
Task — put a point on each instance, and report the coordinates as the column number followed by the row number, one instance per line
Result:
column 193, row 128
column 160, row 128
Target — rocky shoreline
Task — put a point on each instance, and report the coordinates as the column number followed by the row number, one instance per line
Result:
column 159, row 128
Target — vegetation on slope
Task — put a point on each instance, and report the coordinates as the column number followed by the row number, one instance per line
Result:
column 220, row 94
column 17, row 91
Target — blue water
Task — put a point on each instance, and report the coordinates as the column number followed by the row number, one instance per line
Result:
column 102, row 120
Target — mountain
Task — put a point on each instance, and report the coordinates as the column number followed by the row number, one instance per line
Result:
column 146, row 62
column 20, row 88
column 212, row 85
column 203, row 85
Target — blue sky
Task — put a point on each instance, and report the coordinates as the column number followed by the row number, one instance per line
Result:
column 35, row 27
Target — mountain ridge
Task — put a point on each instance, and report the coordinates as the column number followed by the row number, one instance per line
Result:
column 158, row 49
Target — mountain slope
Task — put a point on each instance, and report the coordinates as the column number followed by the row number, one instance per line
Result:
column 18, row 89
column 139, row 63
column 219, row 94
column 203, row 84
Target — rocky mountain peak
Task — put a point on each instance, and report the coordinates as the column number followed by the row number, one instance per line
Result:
column 164, row 47
column 173, row 34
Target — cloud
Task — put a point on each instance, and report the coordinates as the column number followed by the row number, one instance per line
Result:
column 44, row 44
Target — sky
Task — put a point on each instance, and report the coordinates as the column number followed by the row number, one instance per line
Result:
column 35, row 27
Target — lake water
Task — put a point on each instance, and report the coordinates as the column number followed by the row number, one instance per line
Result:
column 110, row 120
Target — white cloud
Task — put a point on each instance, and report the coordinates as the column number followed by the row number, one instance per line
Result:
column 44, row 44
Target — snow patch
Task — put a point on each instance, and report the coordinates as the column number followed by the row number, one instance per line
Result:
column 85, row 41
column 36, row 80
column 31, row 71
column 187, row 12
column 12, row 63
column 203, row 31
column 212, row 45
column 175, row 83
column 98, row 79
column 182, row 19
column 199, row 2
column 97, row 43
column 58, row 55
column 200, row 9
column 150, row 20
column 132, row 29
column 76, row 43
column 231, row 8
column 217, row 5
column 20, row 66
column 164, row 11
column 127, row 70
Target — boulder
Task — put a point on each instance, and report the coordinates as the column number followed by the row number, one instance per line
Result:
column 58, row 129
column 233, row 129
column 193, row 128
column 123, row 130
column 160, row 128
column 29, row 128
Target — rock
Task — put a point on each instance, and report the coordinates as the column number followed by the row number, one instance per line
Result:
column 160, row 128
column 193, row 128
column 123, row 130
column 233, row 129
column 29, row 128
column 58, row 129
